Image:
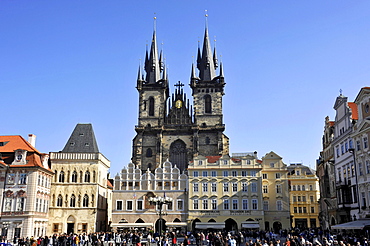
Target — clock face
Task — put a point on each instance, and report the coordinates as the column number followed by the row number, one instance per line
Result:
column 178, row 104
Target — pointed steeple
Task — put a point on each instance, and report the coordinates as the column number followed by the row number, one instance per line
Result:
column 139, row 75
column 215, row 60
column 193, row 76
column 207, row 65
column 221, row 70
column 152, row 66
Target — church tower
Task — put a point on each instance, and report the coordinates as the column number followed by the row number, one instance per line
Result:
column 168, row 129
column 208, row 90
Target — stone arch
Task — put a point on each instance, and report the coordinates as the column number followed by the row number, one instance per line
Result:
column 139, row 220
column 277, row 226
column 194, row 223
column 211, row 220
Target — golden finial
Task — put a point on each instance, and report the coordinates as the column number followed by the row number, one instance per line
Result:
column 206, row 15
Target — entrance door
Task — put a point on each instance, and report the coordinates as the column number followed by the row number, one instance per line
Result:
column 70, row 227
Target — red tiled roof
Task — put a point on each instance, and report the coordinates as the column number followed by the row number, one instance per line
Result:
column 353, row 106
column 213, row 159
column 259, row 161
column 331, row 123
column 109, row 184
column 14, row 143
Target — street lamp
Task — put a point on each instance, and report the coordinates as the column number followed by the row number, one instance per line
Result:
column 352, row 151
column 159, row 201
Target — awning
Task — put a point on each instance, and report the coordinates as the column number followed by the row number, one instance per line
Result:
column 251, row 224
column 132, row 225
column 209, row 225
column 176, row 224
column 355, row 225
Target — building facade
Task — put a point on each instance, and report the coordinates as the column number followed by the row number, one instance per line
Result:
column 26, row 179
column 346, row 177
column 169, row 127
column 81, row 191
column 275, row 191
column 325, row 171
column 133, row 190
column 304, row 196
column 360, row 151
column 225, row 193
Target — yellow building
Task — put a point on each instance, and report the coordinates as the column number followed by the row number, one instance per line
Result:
column 304, row 196
column 225, row 193
column 275, row 192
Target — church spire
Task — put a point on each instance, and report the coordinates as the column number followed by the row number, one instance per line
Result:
column 152, row 63
column 206, row 64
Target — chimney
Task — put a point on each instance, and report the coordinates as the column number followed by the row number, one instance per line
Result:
column 32, row 139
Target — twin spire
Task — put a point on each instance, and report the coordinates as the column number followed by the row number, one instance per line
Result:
column 155, row 70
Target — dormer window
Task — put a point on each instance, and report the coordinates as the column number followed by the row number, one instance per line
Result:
column 72, row 144
column 81, row 134
column 87, row 144
column 200, row 163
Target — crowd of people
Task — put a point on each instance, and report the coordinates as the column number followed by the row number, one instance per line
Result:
column 314, row 237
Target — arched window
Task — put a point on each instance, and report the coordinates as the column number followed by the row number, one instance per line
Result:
column 60, row 201
column 87, row 176
column 151, row 106
column 85, row 202
column 150, row 166
column 81, row 176
column 94, row 177
column 61, row 177
column 74, row 177
column 207, row 104
column 72, row 202
column 56, row 176
column 149, row 152
column 178, row 154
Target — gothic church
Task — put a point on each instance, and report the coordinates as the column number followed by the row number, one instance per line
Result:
column 170, row 127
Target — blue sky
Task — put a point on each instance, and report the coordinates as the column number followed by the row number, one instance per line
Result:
column 68, row 62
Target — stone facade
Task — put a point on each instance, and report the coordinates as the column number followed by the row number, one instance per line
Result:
column 169, row 128
column 81, row 191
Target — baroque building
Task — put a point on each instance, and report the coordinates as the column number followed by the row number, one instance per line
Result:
column 81, row 191
column 361, row 151
column 275, row 189
column 169, row 127
column 225, row 192
column 304, row 196
column 133, row 190
column 25, row 179
column 346, row 177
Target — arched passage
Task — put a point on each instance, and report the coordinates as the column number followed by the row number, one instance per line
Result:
column 160, row 226
column 70, row 224
column 231, row 225
column 277, row 226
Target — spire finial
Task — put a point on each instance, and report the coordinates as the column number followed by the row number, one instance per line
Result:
column 206, row 15
column 155, row 22
column 340, row 91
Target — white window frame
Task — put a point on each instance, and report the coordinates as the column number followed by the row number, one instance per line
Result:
column 132, row 204
column 121, row 205
column 245, row 204
column 254, row 204
column 235, row 204
column 182, row 205
column 137, row 205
